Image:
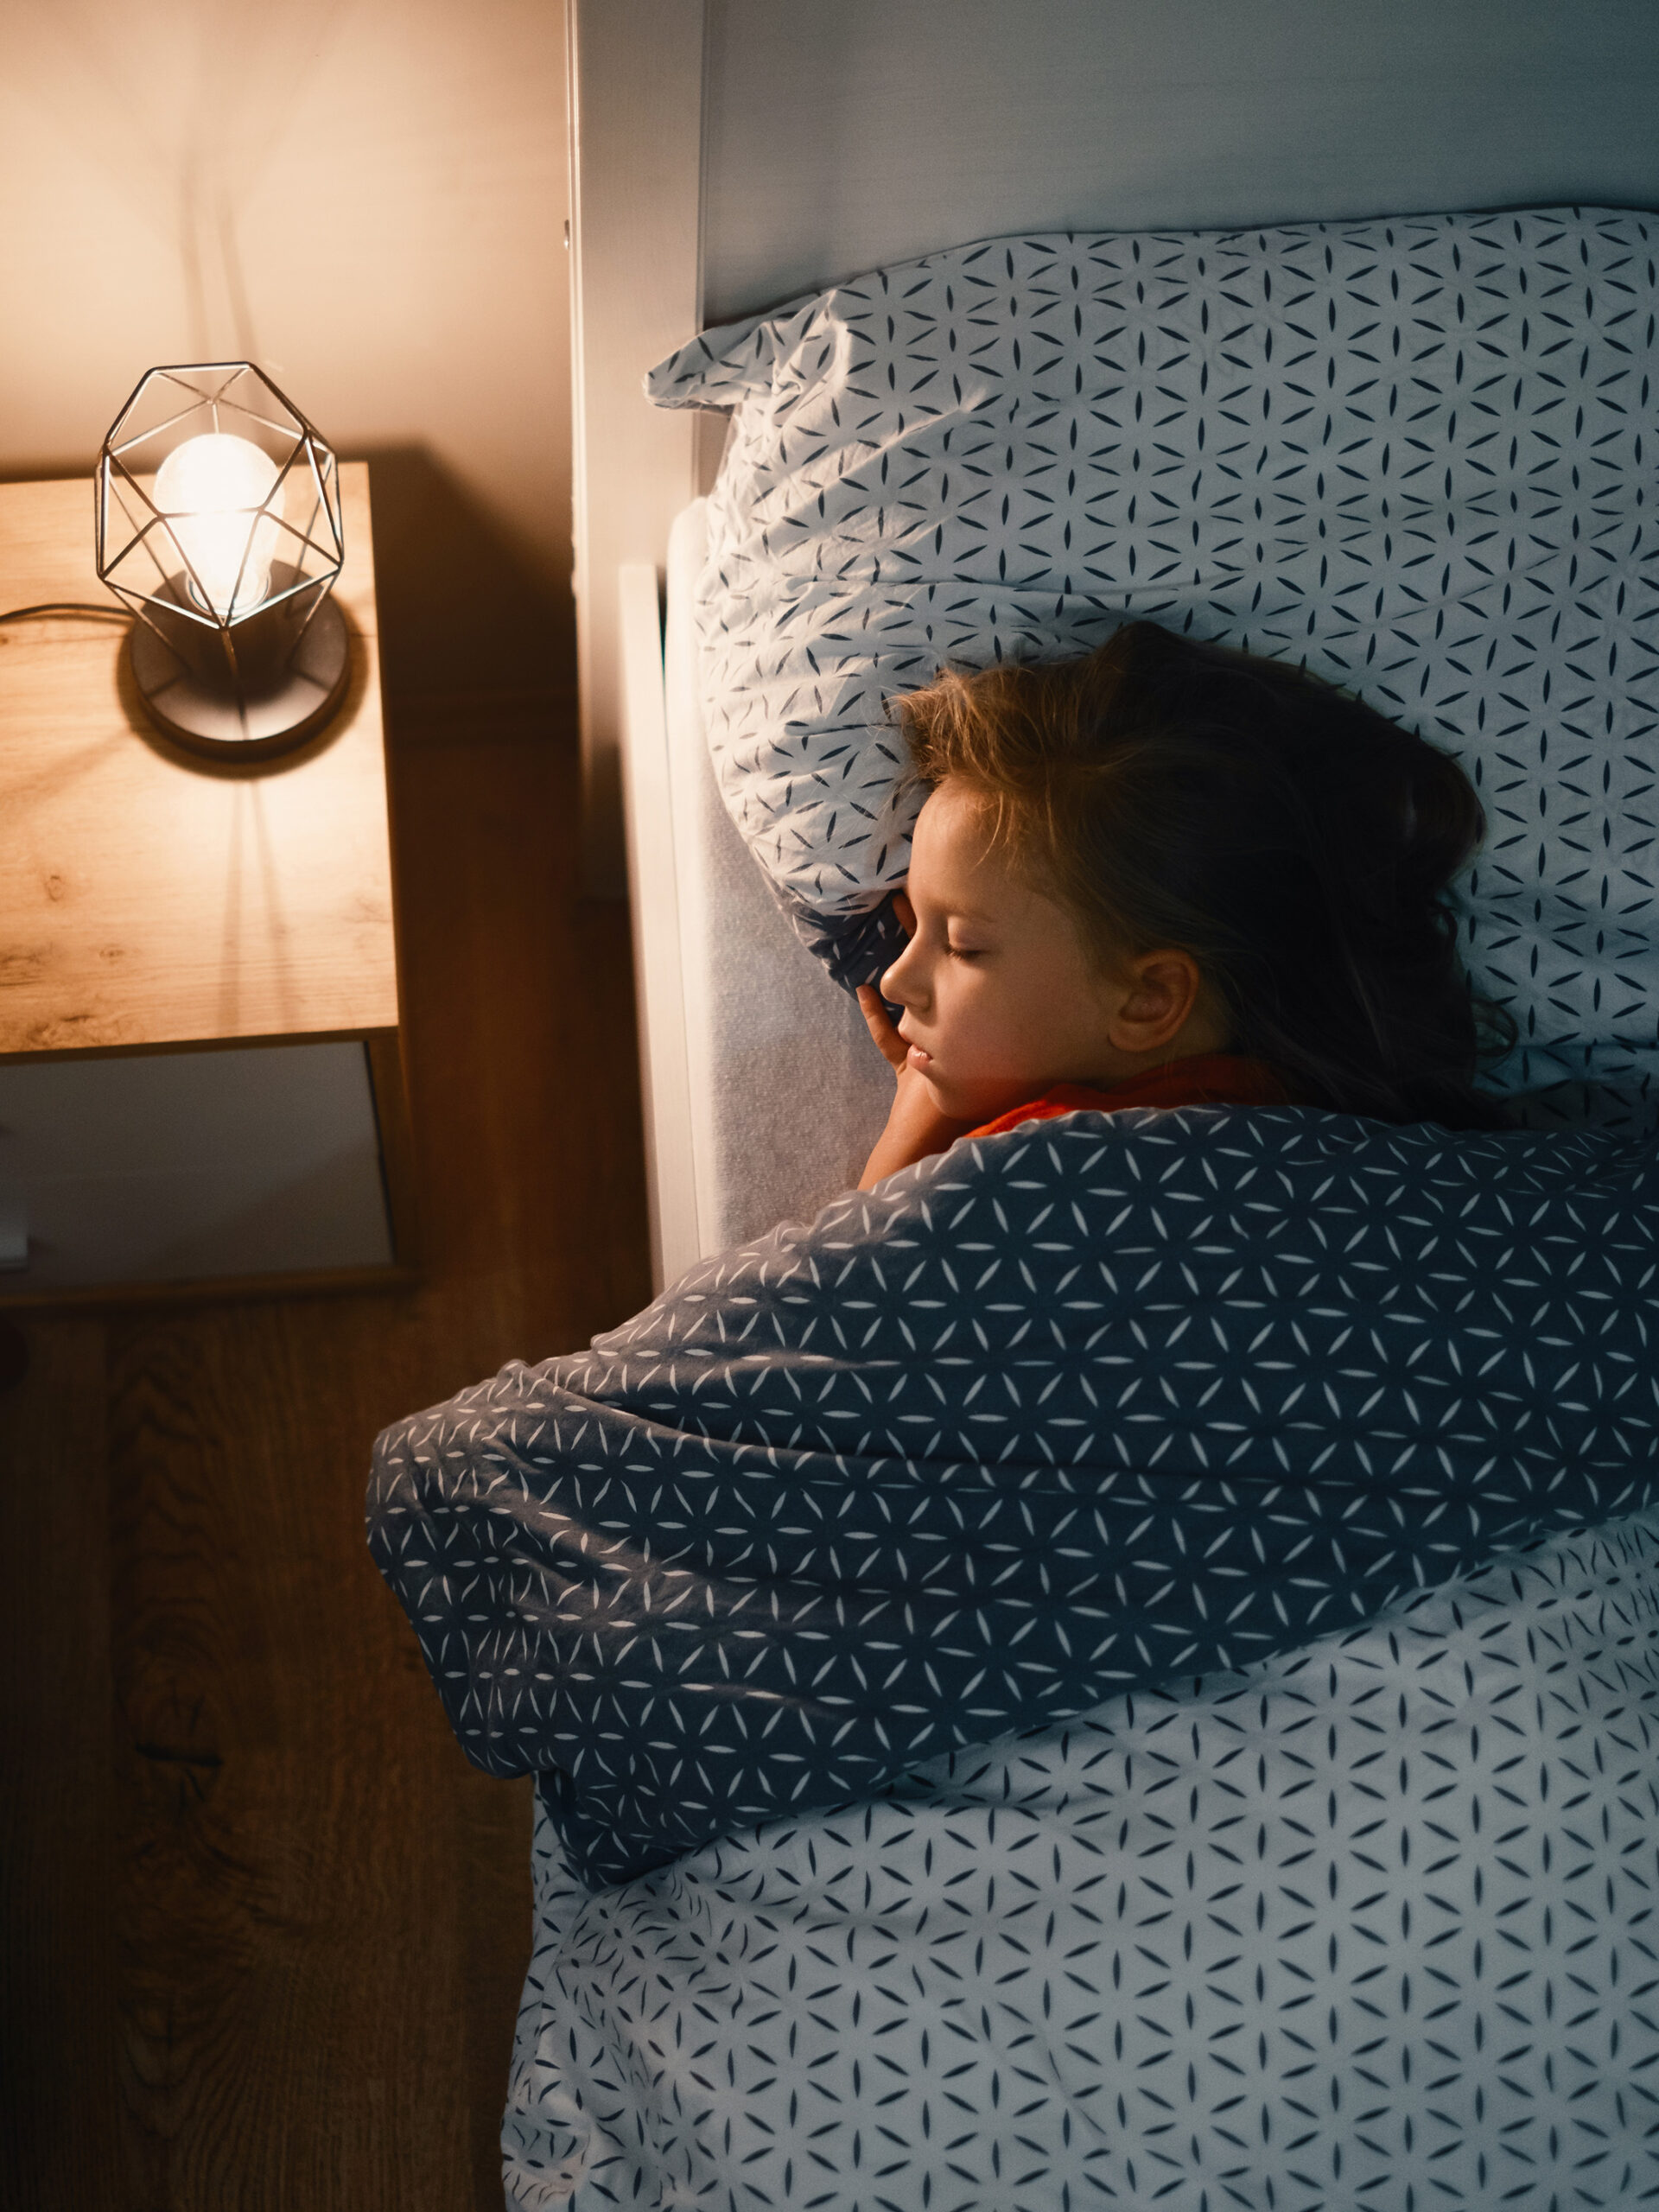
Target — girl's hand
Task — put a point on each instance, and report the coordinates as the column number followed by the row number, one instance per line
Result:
column 916, row 1130
column 891, row 1045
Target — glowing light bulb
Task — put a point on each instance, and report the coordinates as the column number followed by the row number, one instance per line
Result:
column 211, row 489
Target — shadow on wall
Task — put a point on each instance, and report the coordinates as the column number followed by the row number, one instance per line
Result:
column 463, row 609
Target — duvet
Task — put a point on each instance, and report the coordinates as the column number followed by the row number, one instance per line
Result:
column 1095, row 1406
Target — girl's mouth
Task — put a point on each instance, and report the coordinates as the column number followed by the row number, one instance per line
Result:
column 920, row 1059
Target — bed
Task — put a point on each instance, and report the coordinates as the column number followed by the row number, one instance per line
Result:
column 750, row 158
column 1349, row 1904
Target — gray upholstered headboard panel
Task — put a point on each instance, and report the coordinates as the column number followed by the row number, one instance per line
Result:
column 840, row 137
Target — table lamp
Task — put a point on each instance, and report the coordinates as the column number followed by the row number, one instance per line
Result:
column 219, row 525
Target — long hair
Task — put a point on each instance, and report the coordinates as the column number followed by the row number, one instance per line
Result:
column 1295, row 842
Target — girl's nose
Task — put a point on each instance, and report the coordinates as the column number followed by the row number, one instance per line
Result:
column 901, row 983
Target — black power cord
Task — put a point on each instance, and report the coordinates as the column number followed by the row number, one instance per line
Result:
column 65, row 606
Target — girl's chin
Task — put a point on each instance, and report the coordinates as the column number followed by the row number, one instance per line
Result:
column 943, row 1095
column 973, row 1103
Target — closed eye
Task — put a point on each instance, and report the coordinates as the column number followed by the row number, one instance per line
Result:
column 965, row 951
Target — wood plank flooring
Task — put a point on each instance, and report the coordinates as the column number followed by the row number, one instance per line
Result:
column 264, row 1927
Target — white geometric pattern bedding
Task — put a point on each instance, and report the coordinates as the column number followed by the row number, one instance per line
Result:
column 1371, row 1927
column 1418, row 453
column 1374, row 1927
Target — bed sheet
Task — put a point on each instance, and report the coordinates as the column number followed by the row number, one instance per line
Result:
column 1372, row 1927
column 788, row 1095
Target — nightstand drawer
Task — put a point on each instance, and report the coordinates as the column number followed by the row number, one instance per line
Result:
column 171, row 1166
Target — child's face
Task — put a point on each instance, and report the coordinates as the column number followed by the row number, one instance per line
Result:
column 1000, row 998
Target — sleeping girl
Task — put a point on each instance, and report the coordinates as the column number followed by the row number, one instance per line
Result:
column 1172, row 874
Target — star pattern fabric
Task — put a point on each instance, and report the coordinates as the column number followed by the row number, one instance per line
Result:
column 1372, row 1927
column 1417, row 455
column 1066, row 1411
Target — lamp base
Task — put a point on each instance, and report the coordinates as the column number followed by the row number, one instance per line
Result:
column 214, row 720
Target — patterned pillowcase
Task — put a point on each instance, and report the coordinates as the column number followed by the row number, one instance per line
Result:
column 1413, row 453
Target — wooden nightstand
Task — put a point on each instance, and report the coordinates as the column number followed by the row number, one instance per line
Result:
column 201, row 1080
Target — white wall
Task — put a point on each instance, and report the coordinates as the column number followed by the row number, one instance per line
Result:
column 367, row 198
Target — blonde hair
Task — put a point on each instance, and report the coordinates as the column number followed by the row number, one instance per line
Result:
column 1293, row 841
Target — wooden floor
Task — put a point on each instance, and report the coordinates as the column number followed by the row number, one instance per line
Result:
column 264, row 1927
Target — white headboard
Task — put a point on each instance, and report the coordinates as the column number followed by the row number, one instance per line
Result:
column 837, row 138
column 730, row 153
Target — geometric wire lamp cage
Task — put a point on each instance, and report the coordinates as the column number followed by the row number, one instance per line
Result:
column 218, row 525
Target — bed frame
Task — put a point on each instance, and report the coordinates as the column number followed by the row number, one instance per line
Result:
column 728, row 154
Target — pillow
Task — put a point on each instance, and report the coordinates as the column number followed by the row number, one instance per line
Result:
column 1413, row 453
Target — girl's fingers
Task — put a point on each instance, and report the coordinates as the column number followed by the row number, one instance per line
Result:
column 888, row 1042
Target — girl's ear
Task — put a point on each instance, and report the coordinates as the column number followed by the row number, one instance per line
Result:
column 1160, row 992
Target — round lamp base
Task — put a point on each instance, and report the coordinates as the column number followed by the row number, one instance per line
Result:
column 214, row 720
